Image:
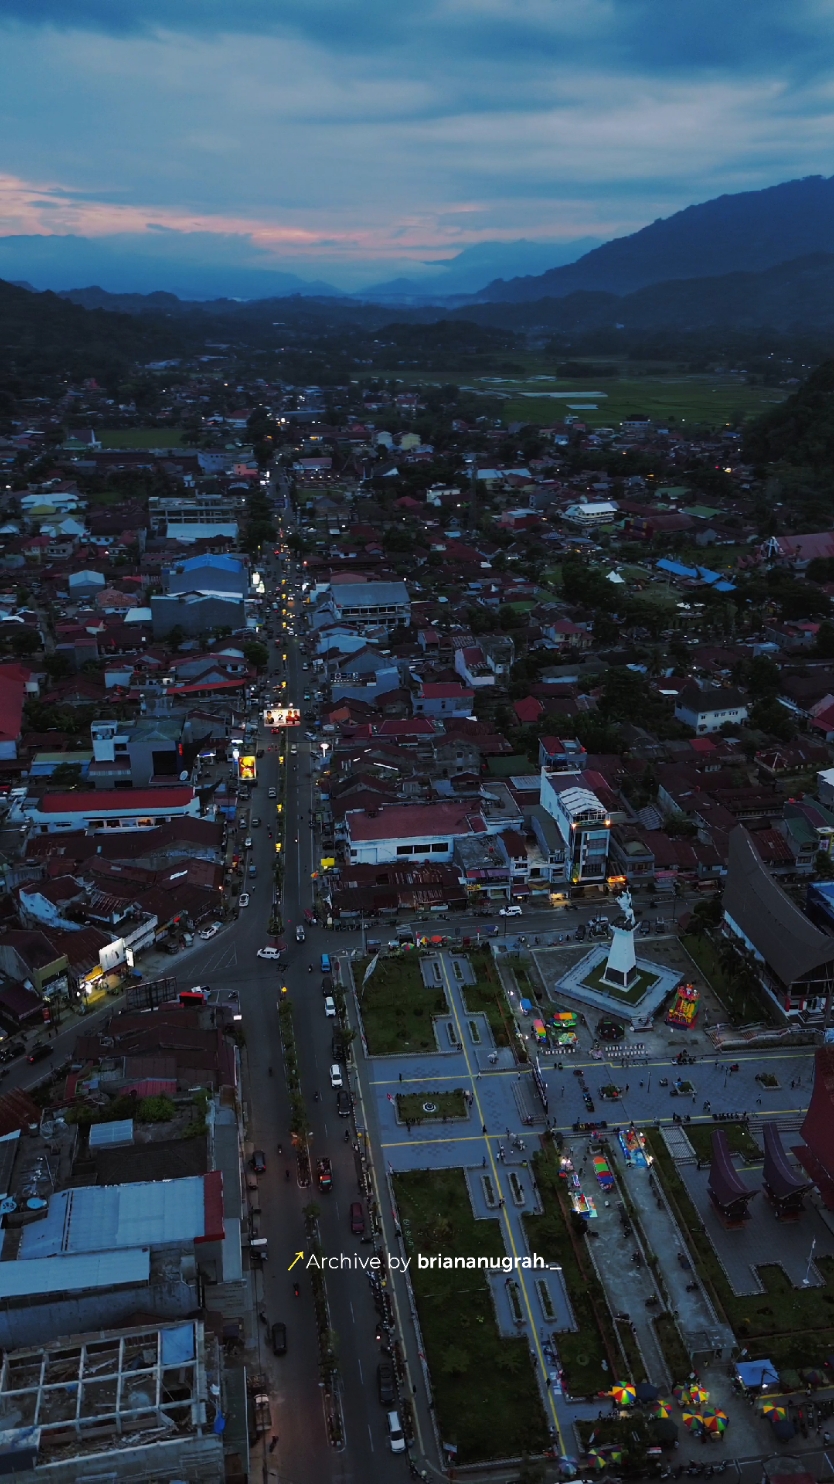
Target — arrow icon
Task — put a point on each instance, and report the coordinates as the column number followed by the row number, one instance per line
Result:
column 297, row 1258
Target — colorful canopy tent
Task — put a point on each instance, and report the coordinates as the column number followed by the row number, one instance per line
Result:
column 539, row 1031
column 726, row 1189
column 757, row 1373
column 783, row 1186
column 603, row 1172
column 646, row 1392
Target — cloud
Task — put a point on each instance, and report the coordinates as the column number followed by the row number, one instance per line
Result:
column 336, row 130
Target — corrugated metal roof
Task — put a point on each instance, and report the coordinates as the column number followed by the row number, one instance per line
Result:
column 95, row 1218
column 120, row 1131
column 43, row 1275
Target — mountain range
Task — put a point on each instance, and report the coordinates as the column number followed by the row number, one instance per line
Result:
column 748, row 232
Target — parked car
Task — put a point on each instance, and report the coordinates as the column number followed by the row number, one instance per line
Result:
column 385, row 1382
column 210, row 932
column 396, row 1436
column 327, row 984
column 336, row 1075
column 330, row 1007
column 253, row 870
column 243, row 899
column 247, row 844
column 325, row 963
column 344, row 1103
column 509, row 912
column 279, row 1339
column 272, row 794
column 259, row 1162
column 269, row 953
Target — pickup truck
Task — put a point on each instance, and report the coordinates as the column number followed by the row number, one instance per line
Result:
column 324, row 1174
column 260, row 1412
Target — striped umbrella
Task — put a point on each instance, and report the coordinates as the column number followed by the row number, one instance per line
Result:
column 596, row 1460
column 692, row 1421
column 714, row 1419
column 774, row 1411
column 661, row 1408
column 624, row 1394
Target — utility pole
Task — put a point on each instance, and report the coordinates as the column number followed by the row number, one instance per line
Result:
column 473, row 495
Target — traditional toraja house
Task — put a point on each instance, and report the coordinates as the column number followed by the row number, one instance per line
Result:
column 816, row 1155
column 783, row 1186
column 727, row 1190
column 795, row 959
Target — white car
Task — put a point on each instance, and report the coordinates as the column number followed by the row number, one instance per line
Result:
column 210, row 932
column 509, row 912
column 269, row 953
column 293, row 750
column 336, row 1076
column 330, row 1007
column 243, row 899
column 247, row 844
column 300, row 934
column 272, row 794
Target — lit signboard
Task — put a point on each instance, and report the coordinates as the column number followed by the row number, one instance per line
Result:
column 247, row 769
column 283, row 716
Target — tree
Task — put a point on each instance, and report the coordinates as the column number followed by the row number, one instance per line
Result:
column 176, row 637
column 25, row 641
column 763, row 677
column 256, row 654
column 66, row 775
column 825, row 640
column 57, row 666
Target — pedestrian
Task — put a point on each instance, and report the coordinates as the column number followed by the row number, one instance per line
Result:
column 507, row 1133
column 273, row 1442
column 401, row 1076
column 825, row 1439
column 483, row 1128
column 501, row 1202
column 407, row 1126
column 758, row 1102
column 484, row 1164
column 626, row 1087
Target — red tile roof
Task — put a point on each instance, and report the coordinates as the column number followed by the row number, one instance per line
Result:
column 120, row 801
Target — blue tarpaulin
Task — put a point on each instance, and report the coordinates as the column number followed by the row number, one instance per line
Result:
column 757, row 1373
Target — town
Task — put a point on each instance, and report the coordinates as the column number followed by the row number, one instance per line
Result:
column 416, row 824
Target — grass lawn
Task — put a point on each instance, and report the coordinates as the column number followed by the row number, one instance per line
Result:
column 581, row 1353
column 486, row 1397
column 632, row 996
column 678, row 399
column 446, row 1105
column 141, row 438
column 487, row 996
column 397, row 1008
column 739, row 1140
column 743, row 1008
column 794, row 1327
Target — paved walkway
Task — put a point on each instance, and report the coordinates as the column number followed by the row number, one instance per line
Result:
column 495, row 1142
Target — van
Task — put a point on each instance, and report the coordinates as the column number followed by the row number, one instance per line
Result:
column 325, row 963
column 396, row 1436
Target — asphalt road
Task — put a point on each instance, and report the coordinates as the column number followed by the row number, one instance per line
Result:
column 303, row 1451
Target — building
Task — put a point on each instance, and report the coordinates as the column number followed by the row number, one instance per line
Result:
column 126, row 1404
column 583, row 823
column 409, row 831
column 196, row 613
column 194, row 516
column 131, row 754
column 592, row 512
column 103, row 811
column 209, row 573
column 443, row 698
column 794, row 958
column 367, row 605
column 709, row 708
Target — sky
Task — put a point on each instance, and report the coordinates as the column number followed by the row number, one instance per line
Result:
column 352, row 139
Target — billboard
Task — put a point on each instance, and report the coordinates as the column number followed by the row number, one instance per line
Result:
column 247, row 768
column 283, row 716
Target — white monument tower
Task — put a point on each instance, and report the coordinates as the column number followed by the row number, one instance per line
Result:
column 621, row 968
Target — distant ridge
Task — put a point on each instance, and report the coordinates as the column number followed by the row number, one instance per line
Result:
column 748, row 232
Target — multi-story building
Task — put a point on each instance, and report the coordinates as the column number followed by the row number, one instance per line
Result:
column 583, row 823
column 194, row 516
